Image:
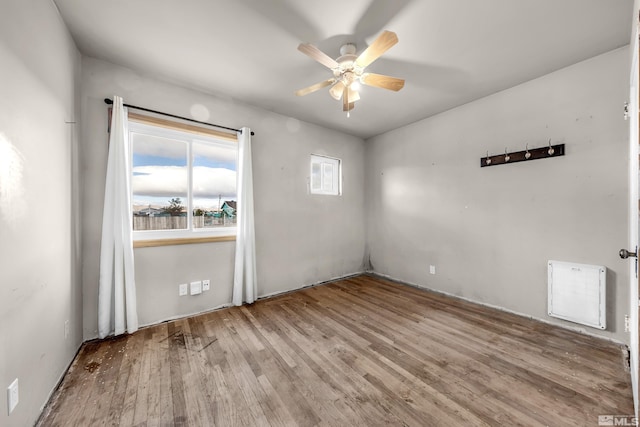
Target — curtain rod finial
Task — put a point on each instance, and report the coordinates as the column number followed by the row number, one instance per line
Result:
column 108, row 101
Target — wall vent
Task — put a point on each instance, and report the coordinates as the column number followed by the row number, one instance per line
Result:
column 578, row 293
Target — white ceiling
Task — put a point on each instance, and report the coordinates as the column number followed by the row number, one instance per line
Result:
column 450, row 51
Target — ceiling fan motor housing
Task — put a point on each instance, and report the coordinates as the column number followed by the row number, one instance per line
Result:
column 347, row 61
column 348, row 49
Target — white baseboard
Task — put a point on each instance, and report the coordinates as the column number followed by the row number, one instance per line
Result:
column 496, row 307
column 58, row 382
column 323, row 282
column 260, row 297
column 184, row 316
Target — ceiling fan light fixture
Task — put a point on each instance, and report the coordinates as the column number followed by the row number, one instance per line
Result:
column 348, row 70
column 336, row 90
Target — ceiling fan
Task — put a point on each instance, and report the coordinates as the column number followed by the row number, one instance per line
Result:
column 348, row 70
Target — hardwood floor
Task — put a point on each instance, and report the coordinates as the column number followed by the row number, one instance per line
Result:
column 360, row 351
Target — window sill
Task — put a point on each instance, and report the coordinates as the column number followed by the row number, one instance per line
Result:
column 181, row 241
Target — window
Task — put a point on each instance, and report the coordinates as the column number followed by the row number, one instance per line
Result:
column 326, row 175
column 183, row 182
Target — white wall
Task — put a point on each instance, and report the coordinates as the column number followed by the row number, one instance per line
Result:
column 39, row 247
column 490, row 231
column 301, row 239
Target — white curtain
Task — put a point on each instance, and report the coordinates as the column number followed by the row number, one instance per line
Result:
column 244, row 280
column 117, row 295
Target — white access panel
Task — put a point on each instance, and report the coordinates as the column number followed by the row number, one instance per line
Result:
column 578, row 293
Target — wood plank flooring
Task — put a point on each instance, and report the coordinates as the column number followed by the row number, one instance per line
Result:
column 361, row 351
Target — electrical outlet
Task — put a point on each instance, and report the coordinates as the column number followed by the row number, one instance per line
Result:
column 206, row 285
column 627, row 323
column 183, row 289
column 196, row 287
column 432, row 269
column 66, row 329
column 13, row 396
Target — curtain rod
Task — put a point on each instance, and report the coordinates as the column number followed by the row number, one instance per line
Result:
column 110, row 102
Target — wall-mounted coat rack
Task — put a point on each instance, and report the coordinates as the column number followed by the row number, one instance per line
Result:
column 522, row 156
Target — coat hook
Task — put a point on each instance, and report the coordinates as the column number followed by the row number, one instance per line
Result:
column 528, row 154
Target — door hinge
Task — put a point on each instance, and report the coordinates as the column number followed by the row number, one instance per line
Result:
column 627, row 323
column 626, row 111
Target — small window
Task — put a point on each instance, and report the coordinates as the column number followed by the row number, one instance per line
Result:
column 326, row 175
column 183, row 184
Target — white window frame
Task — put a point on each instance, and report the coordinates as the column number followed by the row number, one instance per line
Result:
column 326, row 162
column 189, row 138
